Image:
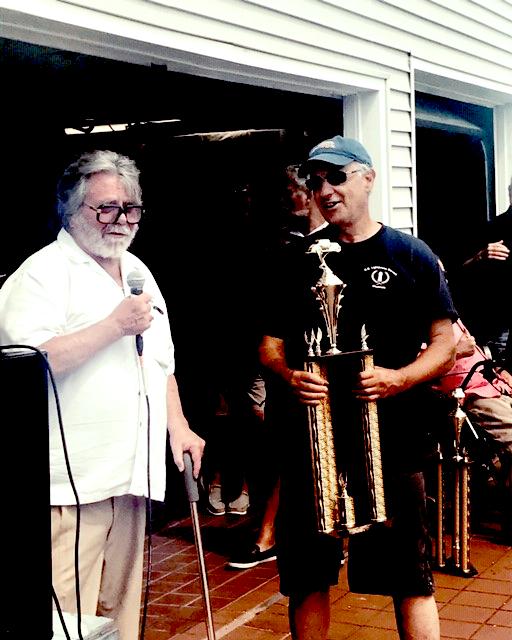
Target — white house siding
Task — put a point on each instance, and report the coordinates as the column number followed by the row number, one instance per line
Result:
column 329, row 47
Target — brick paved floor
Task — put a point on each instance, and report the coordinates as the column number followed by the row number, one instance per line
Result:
column 247, row 606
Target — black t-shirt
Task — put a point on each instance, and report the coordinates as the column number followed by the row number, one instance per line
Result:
column 395, row 288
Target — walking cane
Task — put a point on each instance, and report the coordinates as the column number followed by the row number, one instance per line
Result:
column 193, row 498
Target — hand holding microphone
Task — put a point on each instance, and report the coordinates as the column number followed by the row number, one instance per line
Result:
column 135, row 281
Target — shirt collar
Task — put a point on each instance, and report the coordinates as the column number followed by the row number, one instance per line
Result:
column 73, row 252
column 68, row 245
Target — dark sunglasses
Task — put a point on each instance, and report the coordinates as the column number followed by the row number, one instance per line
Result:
column 334, row 177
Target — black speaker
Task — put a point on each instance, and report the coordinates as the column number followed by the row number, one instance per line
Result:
column 26, row 606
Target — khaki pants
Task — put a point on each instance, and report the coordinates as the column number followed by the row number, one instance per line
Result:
column 111, row 552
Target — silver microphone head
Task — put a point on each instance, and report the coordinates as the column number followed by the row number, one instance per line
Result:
column 135, row 281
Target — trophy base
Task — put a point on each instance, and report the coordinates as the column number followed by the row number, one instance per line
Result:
column 452, row 569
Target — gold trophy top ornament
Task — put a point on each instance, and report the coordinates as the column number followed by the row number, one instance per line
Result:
column 328, row 291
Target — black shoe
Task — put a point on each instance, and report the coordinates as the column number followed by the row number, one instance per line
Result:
column 252, row 557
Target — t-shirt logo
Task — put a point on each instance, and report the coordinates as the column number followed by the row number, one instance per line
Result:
column 380, row 276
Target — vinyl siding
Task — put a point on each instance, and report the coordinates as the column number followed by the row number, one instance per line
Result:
column 342, row 45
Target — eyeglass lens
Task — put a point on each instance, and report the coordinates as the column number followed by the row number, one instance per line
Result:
column 110, row 213
column 334, row 177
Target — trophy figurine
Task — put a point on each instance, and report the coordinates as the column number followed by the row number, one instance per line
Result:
column 344, row 431
column 328, row 291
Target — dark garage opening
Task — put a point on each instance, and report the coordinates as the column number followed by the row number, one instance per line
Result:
column 213, row 200
column 452, row 192
column 46, row 90
column 454, row 173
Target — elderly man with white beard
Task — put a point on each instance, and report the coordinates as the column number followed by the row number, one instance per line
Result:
column 72, row 301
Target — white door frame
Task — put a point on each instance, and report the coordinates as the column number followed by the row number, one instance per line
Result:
column 448, row 83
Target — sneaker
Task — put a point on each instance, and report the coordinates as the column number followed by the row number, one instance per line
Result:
column 215, row 505
column 239, row 506
column 252, row 557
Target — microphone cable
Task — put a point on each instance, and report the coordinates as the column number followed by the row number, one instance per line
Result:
column 61, row 615
column 135, row 281
column 73, row 487
column 149, row 516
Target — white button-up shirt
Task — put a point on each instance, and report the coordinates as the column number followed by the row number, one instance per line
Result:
column 59, row 290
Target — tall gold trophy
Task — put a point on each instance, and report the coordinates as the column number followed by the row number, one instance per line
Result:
column 344, row 431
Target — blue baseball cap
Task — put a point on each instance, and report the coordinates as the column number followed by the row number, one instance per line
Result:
column 339, row 151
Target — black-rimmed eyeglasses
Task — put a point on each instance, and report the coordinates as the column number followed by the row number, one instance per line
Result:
column 110, row 213
column 334, row 177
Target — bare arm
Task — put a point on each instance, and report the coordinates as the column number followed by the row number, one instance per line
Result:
column 309, row 387
column 182, row 438
column 131, row 317
column 437, row 359
column 465, row 346
column 493, row 251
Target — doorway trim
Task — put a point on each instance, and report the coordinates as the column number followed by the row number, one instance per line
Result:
column 364, row 97
column 450, row 83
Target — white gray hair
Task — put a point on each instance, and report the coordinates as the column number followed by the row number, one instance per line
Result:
column 72, row 186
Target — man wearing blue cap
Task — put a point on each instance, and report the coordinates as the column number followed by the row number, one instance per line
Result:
column 396, row 294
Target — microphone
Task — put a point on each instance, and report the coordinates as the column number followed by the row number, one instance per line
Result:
column 135, row 281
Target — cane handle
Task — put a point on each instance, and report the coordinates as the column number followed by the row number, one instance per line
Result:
column 190, row 481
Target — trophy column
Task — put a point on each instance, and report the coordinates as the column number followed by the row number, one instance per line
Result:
column 344, row 431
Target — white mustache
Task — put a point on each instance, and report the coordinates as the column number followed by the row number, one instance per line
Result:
column 122, row 229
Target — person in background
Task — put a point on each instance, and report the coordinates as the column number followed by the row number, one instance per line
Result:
column 72, row 300
column 483, row 284
column 231, row 466
column 396, row 291
column 238, row 420
column 301, row 213
column 302, row 221
column 488, row 405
